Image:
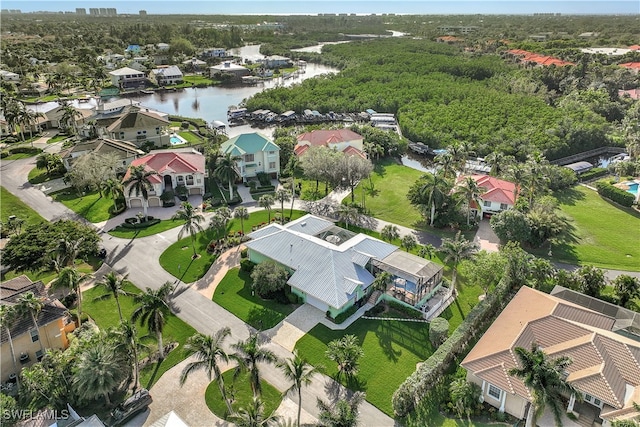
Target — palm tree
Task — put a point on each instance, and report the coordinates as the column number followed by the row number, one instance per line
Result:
column 114, row 189
column 192, row 221
column 409, row 242
column 253, row 416
column 67, row 252
column 471, row 192
column 248, row 354
column 427, row 250
column 241, row 213
column 126, row 336
column 282, row 196
column 499, row 162
column 457, row 250
column 208, row 352
column 293, row 167
column 219, row 221
column 447, row 164
column 114, row 287
column 347, row 214
column 69, row 116
column 346, row 352
column 30, row 118
column 390, row 233
column 153, row 310
column 434, row 191
column 139, row 183
column 7, row 319
column 545, row 379
column 299, row 373
column 71, row 278
column 343, row 413
column 98, row 371
column 266, row 202
column 226, row 170
column 29, row 302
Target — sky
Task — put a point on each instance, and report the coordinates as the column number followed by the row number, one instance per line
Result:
column 274, row 7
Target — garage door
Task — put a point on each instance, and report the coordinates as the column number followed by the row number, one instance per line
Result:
column 317, row 303
column 154, row 202
column 194, row 191
column 136, row 203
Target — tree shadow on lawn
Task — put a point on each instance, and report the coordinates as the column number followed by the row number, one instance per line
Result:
column 569, row 196
column 380, row 169
column 410, row 339
column 263, row 318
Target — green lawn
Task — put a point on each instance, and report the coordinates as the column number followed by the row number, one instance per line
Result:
column 598, row 232
column 48, row 275
column 190, row 137
column 240, row 392
column 163, row 225
column 38, row 176
column 12, row 205
column 57, row 138
column 91, row 206
column 199, row 80
column 18, row 156
column 233, row 294
column 105, row 314
column 177, row 258
column 391, row 182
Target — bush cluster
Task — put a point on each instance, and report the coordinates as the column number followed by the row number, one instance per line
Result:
column 342, row 316
column 593, row 173
column 411, row 313
column 140, row 225
column 615, row 194
column 247, row 265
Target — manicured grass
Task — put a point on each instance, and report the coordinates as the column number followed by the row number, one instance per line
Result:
column 18, row 156
column 198, row 80
column 598, row 232
column 177, row 258
column 48, row 275
column 233, row 294
column 389, row 201
column 105, row 315
column 240, row 389
column 57, row 138
column 163, row 225
column 427, row 415
column 91, row 206
column 190, row 137
column 38, row 176
column 12, row 205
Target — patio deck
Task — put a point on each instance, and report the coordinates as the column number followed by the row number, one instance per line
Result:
column 436, row 304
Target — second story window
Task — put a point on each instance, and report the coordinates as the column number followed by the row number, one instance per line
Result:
column 34, row 335
column 248, row 157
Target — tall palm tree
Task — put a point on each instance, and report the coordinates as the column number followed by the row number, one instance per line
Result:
column 70, row 116
column 226, row 170
column 153, row 310
column 299, row 373
column 192, row 221
column 241, row 213
column 282, row 196
column 456, row 250
column 347, row 214
column 30, row 118
column 248, row 354
column 67, row 251
column 343, row 413
column 114, row 189
column 139, row 183
column 128, row 342
column 447, row 163
column 98, row 372
column 208, row 352
column 293, row 167
column 7, row 319
column 71, row 278
column 498, row 162
column 434, row 192
column 545, row 379
column 114, row 287
column 266, row 202
column 471, row 192
column 30, row 303
column 253, row 416
column 219, row 222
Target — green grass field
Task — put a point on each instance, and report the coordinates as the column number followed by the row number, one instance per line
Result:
column 190, row 137
column 233, row 294
column 177, row 258
column 105, row 314
column 598, row 232
column 163, row 225
column 242, row 395
column 12, row 205
column 91, row 206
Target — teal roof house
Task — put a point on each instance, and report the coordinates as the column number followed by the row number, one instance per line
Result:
column 255, row 153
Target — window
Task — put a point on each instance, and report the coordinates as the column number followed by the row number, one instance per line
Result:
column 271, row 153
column 503, row 206
column 494, row 392
column 34, row 335
column 189, row 179
column 180, row 178
column 486, row 204
column 248, row 157
column 597, row 402
column 157, row 131
column 39, row 355
column 272, row 165
column 121, row 135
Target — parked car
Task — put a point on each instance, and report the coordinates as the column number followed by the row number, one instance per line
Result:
column 130, row 407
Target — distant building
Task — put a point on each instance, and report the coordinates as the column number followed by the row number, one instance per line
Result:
column 457, row 29
column 170, row 75
column 81, row 11
column 124, row 151
column 127, row 77
column 143, row 13
column 94, row 11
column 235, row 70
column 276, row 61
column 216, row 52
column 8, row 76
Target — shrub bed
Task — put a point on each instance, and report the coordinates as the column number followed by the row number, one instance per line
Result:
column 344, row 315
column 593, row 173
column 411, row 313
column 262, row 189
column 615, row 194
column 139, row 225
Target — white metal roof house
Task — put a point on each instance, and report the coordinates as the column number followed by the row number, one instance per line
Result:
column 166, row 75
column 127, row 77
column 333, row 268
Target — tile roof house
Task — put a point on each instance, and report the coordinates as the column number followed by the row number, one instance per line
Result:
column 605, row 366
column 499, row 195
column 173, row 168
column 344, row 140
column 632, row 66
column 53, row 321
column 333, row 269
column 140, row 126
column 124, row 151
column 256, row 153
column 530, row 58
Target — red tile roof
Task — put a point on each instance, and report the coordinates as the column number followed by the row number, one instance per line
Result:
column 631, row 65
column 170, row 162
column 539, row 59
column 634, row 47
column 325, row 137
column 496, row 190
column 632, row 93
column 353, row 151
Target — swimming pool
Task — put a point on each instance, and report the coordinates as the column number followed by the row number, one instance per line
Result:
column 633, row 188
column 176, row 139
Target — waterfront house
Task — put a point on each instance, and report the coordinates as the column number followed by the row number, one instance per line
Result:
column 8, row 76
column 163, row 46
column 163, row 76
column 28, row 341
column 499, row 195
column 140, row 126
column 605, row 356
column 332, row 268
column 255, row 152
column 344, row 140
column 276, row 61
column 229, row 68
column 173, row 168
column 216, row 52
column 126, row 78
column 124, row 151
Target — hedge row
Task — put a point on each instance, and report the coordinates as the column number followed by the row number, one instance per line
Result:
column 615, row 194
column 262, row 189
column 593, row 173
column 434, row 368
column 17, row 150
column 140, row 225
